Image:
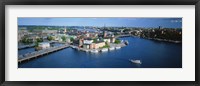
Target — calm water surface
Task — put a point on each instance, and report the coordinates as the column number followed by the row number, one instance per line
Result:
column 153, row 54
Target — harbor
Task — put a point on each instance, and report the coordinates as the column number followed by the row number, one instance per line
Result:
column 140, row 49
column 99, row 42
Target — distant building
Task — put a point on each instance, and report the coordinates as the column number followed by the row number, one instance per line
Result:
column 21, row 34
column 104, row 34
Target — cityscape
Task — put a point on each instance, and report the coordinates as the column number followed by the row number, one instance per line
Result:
column 99, row 42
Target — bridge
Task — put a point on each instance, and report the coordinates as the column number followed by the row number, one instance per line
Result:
column 31, row 45
column 36, row 54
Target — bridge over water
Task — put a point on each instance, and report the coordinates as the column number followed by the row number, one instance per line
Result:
column 36, row 54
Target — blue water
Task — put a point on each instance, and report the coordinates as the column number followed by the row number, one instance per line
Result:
column 26, row 50
column 153, row 54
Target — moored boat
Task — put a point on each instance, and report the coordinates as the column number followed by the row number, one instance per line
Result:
column 112, row 48
column 104, row 49
column 94, row 51
column 117, row 47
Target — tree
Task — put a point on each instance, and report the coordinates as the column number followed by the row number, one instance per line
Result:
column 36, row 44
column 117, row 41
column 63, row 38
column 95, row 40
column 39, row 40
column 26, row 40
column 50, row 38
column 71, row 39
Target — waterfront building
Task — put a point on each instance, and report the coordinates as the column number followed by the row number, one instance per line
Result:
column 80, row 42
column 99, row 44
column 44, row 45
column 86, row 46
column 92, row 46
column 112, row 40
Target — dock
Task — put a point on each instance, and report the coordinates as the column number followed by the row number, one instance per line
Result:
column 36, row 54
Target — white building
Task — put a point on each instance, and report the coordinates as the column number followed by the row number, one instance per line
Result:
column 44, row 45
column 86, row 46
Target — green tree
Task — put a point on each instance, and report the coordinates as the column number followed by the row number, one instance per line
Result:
column 117, row 41
column 50, row 38
column 26, row 40
column 63, row 38
column 95, row 40
column 39, row 40
column 71, row 39
column 36, row 44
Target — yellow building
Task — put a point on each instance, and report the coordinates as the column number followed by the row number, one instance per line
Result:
column 97, row 45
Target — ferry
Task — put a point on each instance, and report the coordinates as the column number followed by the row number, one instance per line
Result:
column 117, row 47
column 94, row 51
column 112, row 48
column 136, row 61
column 104, row 49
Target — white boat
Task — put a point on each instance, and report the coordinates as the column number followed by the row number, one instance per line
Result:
column 74, row 47
column 117, row 47
column 86, row 50
column 94, row 51
column 136, row 61
column 104, row 50
column 112, row 48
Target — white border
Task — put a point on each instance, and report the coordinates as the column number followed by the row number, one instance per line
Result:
column 187, row 73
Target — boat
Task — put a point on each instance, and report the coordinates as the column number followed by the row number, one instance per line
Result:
column 112, row 48
column 86, row 50
column 74, row 47
column 126, row 42
column 104, row 49
column 94, row 51
column 136, row 61
column 117, row 47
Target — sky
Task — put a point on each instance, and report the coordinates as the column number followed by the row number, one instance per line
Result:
column 117, row 22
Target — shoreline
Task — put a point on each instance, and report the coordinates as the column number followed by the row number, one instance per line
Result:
column 164, row 40
column 156, row 39
column 116, row 46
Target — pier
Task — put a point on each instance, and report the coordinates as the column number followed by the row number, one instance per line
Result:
column 36, row 54
column 32, row 45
